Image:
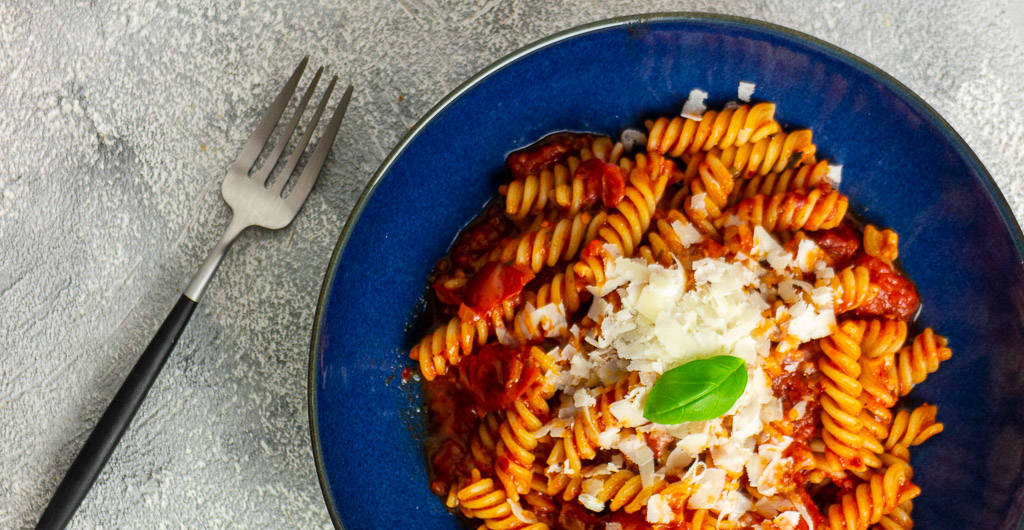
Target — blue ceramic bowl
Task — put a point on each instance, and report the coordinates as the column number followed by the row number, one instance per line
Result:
column 904, row 167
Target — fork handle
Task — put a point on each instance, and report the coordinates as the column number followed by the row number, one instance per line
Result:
column 114, row 422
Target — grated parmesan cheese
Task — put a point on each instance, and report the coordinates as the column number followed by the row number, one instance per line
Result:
column 591, row 489
column 582, row 399
column 688, row 235
column 607, row 438
column 602, row 470
column 787, row 521
column 698, row 202
column 807, row 323
column 835, row 175
column 632, row 138
column 550, row 317
column 710, row 487
column 745, row 90
column 807, row 255
column 629, row 412
column 665, row 316
column 521, row 514
column 658, row 510
column 637, row 451
column 694, row 107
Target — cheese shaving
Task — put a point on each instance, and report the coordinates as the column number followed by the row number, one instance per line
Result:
column 694, row 107
column 745, row 90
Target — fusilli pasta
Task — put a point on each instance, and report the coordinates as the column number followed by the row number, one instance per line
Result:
column 561, row 376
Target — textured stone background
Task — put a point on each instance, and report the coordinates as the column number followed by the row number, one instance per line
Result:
column 117, row 120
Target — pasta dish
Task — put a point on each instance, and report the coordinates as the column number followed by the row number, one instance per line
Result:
column 681, row 329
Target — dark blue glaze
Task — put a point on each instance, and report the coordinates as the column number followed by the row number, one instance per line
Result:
column 903, row 167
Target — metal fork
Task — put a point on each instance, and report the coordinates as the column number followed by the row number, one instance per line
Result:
column 255, row 200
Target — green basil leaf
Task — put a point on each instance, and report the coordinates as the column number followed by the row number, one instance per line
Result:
column 698, row 390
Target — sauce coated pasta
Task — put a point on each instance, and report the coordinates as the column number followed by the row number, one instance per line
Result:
column 692, row 335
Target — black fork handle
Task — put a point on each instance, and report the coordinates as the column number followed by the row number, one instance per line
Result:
column 114, row 422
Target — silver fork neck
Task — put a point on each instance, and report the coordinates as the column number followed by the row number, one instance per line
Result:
column 202, row 276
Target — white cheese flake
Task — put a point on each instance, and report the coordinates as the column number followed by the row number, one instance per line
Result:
column 688, row 234
column 835, row 175
column 808, row 323
column 628, row 412
column 591, row 489
column 521, row 514
column 745, row 90
column 710, row 487
column 807, row 255
column 607, row 438
column 658, row 510
column 632, row 138
column 698, row 202
column 694, row 107
column 787, row 521
column 637, row 451
column 582, row 399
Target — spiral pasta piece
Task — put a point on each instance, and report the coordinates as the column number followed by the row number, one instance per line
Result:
column 816, row 210
column 536, row 499
column 483, row 445
column 898, row 519
column 881, row 336
column 881, row 244
column 563, row 291
column 579, row 441
column 738, row 238
column 557, row 186
column 704, row 520
column 625, row 490
column 890, row 377
column 803, row 178
column 912, row 428
column 569, row 486
column 647, row 162
column 852, row 288
column 841, row 404
column 773, row 154
column 709, row 193
column 664, row 243
column 625, row 228
column 514, row 450
column 915, row 361
column 482, row 500
column 725, row 128
column 880, row 495
column 546, row 246
column 603, row 149
column 449, row 343
column 876, row 416
column 531, row 194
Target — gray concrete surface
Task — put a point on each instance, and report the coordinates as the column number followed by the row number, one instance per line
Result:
column 117, row 120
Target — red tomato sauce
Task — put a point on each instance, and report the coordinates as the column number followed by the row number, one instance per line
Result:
column 497, row 376
column 602, row 181
column 493, row 284
column 480, row 237
column 840, row 243
column 897, row 297
column 543, row 154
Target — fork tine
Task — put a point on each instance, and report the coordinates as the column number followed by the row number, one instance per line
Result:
column 316, row 161
column 271, row 160
column 293, row 159
column 259, row 137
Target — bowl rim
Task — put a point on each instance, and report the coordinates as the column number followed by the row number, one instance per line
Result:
column 890, row 82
